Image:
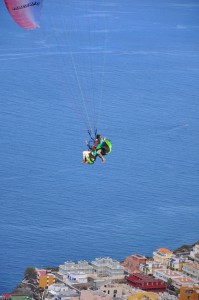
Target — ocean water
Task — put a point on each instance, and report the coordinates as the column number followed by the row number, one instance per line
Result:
column 132, row 68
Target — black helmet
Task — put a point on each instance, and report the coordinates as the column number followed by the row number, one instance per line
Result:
column 98, row 136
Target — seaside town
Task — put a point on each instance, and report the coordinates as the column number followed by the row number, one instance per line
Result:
column 167, row 275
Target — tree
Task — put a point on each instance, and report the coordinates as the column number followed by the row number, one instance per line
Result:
column 147, row 270
column 30, row 273
column 169, row 282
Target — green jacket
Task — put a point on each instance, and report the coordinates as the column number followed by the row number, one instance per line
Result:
column 108, row 143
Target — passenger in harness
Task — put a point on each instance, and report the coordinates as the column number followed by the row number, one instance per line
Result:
column 104, row 149
column 100, row 148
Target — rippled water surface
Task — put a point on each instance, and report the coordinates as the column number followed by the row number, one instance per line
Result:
column 143, row 59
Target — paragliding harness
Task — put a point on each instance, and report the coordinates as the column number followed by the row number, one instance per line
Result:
column 105, row 146
column 91, row 158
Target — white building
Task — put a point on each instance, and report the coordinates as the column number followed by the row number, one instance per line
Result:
column 194, row 254
column 176, row 262
column 80, row 266
column 115, row 269
column 77, row 277
column 192, row 270
column 107, row 267
column 177, row 278
column 150, row 267
column 60, row 291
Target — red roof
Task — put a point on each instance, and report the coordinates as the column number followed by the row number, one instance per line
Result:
column 41, row 272
column 146, row 283
column 7, row 296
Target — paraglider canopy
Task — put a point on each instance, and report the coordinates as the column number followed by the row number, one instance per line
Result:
column 26, row 13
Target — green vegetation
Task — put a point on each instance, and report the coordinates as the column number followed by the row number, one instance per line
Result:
column 30, row 273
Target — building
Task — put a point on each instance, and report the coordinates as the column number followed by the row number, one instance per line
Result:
column 60, row 291
column 177, row 278
column 176, row 262
column 194, row 254
column 192, row 270
column 132, row 263
column 167, row 296
column 80, row 266
column 77, row 277
column 187, row 293
column 113, row 290
column 94, row 295
column 146, row 283
column 44, row 279
column 150, row 266
column 114, row 269
column 107, row 267
column 162, row 255
column 144, row 296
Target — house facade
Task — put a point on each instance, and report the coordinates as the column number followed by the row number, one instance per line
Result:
column 113, row 290
column 44, row 279
column 132, row 263
column 176, row 263
column 162, row 255
column 150, row 266
column 187, row 293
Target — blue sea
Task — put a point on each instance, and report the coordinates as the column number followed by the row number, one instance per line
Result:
column 131, row 68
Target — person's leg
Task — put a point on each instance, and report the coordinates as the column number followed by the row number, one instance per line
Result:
column 85, row 157
column 99, row 153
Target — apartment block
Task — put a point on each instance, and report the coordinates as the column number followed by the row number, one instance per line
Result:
column 192, row 270
column 80, row 266
column 107, row 267
column 177, row 278
column 132, row 263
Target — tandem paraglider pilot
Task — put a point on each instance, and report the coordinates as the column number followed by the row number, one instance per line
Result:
column 99, row 147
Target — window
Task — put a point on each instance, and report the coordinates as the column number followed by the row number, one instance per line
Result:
column 189, row 292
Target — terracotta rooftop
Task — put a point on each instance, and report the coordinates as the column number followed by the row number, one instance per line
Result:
column 164, row 250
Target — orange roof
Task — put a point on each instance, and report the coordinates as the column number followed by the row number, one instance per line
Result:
column 164, row 250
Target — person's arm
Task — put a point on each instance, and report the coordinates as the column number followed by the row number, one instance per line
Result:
column 88, row 145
